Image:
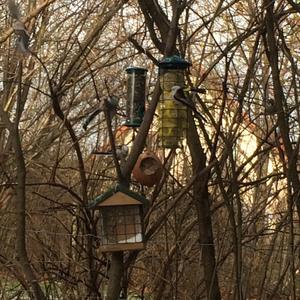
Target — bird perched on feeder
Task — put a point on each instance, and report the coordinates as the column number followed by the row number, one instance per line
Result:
column 122, row 152
column 111, row 105
column 19, row 27
column 179, row 95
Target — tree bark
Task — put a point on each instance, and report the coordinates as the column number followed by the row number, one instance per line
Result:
column 22, row 256
column 35, row 289
column 201, row 202
column 115, row 276
column 279, row 99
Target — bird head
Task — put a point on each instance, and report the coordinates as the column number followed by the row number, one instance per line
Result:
column 175, row 89
column 113, row 101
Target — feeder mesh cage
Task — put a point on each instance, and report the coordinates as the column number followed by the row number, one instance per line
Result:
column 121, row 225
column 136, row 89
column 172, row 115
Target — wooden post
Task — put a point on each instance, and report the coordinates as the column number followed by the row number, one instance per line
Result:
column 115, row 276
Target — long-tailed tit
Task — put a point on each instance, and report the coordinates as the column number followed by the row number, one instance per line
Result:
column 179, row 96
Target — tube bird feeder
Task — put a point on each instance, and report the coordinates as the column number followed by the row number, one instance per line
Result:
column 172, row 115
column 136, row 86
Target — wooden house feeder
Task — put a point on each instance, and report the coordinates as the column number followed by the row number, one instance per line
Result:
column 172, row 115
column 136, row 87
column 120, row 219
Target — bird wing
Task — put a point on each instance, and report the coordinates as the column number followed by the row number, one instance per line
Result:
column 181, row 97
column 23, row 42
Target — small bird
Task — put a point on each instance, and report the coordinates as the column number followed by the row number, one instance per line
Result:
column 18, row 26
column 23, row 36
column 270, row 107
column 112, row 105
column 22, row 43
column 179, row 96
column 122, row 152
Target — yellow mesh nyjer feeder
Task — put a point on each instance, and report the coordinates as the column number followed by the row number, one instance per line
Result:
column 172, row 115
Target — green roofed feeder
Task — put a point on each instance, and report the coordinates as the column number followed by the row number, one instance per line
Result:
column 172, row 115
column 120, row 219
column 174, row 62
column 136, row 87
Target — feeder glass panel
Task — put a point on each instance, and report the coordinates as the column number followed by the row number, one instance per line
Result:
column 121, row 225
column 136, row 86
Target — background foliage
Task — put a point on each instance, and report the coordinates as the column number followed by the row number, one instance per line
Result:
column 224, row 222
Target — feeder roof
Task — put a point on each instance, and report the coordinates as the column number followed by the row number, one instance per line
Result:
column 137, row 70
column 117, row 192
column 174, row 62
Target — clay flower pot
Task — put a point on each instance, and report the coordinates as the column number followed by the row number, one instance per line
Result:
column 148, row 169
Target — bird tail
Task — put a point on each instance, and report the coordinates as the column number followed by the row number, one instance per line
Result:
column 200, row 90
column 90, row 118
column 198, row 115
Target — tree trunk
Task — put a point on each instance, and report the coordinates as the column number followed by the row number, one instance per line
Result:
column 115, row 276
column 22, row 257
column 279, row 98
column 201, row 202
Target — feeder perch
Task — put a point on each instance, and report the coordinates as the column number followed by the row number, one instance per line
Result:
column 120, row 219
column 135, row 106
column 172, row 115
column 148, row 169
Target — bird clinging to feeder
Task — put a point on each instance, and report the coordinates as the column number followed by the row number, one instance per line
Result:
column 172, row 114
column 180, row 96
column 122, row 152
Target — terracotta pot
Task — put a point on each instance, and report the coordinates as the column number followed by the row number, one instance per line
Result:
column 148, row 169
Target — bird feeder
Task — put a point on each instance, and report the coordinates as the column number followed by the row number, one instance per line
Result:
column 172, row 115
column 120, row 219
column 136, row 86
column 148, row 169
